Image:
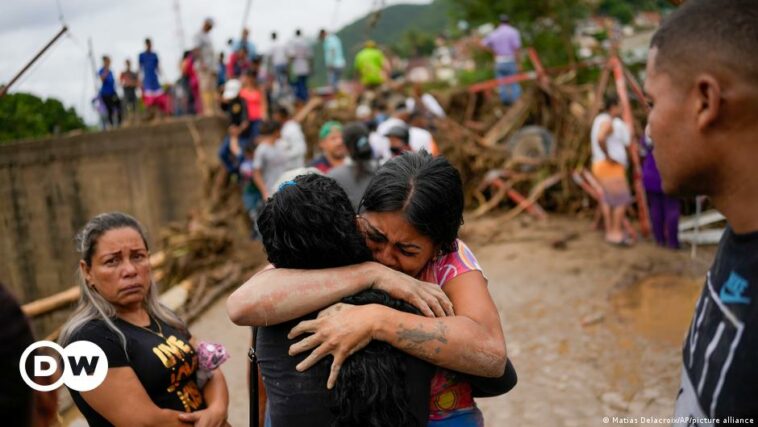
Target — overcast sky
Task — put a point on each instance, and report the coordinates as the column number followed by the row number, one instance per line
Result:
column 119, row 28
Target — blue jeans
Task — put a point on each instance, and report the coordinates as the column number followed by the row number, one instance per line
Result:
column 511, row 92
column 282, row 75
column 228, row 159
column 333, row 77
column 252, row 201
column 461, row 418
column 255, row 127
column 301, row 87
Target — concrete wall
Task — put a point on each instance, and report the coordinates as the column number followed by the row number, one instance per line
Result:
column 49, row 189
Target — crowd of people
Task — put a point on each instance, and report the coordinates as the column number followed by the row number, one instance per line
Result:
column 282, row 72
column 262, row 149
column 373, row 311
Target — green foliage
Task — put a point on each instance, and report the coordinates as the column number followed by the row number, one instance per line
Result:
column 390, row 28
column 23, row 115
column 547, row 25
column 619, row 9
column 414, row 44
column 476, row 75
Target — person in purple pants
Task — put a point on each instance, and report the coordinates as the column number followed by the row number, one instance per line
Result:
column 664, row 210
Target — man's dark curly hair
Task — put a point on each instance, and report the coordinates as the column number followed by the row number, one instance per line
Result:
column 311, row 224
column 427, row 190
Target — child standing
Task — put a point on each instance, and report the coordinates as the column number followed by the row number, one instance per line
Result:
column 269, row 161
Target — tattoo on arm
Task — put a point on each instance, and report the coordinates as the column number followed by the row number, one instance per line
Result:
column 413, row 339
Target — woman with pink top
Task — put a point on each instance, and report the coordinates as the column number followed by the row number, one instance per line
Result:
column 255, row 100
column 410, row 215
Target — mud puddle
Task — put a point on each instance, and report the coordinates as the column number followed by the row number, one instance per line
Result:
column 658, row 307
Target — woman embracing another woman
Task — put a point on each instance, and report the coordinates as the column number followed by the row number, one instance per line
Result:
column 410, row 216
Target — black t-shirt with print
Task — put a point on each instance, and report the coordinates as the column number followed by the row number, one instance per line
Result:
column 720, row 375
column 166, row 366
column 237, row 111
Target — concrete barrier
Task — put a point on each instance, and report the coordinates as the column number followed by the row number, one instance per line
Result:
column 50, row 187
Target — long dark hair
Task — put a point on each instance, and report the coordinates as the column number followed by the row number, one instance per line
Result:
column 427, row 190
column 309, row 223
column 371, row 389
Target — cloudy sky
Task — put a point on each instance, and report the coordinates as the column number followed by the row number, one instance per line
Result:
column 119, row 28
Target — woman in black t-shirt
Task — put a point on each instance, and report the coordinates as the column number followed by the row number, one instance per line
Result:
column 152, row 364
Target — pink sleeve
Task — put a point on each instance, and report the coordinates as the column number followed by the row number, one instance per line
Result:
column 455, row 263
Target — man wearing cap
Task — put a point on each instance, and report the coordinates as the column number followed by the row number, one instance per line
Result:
column 232, row 150
column 399, row 138
column 333, row 151
column 505, row 44
column 372, row 66
column 206, row 62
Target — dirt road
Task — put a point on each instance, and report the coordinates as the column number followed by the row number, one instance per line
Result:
column 594, row 331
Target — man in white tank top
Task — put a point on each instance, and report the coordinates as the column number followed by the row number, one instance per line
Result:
column 610, row 139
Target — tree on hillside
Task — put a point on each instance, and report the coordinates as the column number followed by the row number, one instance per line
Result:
column 547, row 25
column 23, row 115
column 414, row 44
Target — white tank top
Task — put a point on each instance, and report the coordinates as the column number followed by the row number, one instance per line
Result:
column 616, row 142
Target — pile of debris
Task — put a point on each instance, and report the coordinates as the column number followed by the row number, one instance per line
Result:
column 211, row 252
column 527, row 148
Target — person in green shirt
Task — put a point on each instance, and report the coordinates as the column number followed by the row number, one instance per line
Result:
column 371, row 65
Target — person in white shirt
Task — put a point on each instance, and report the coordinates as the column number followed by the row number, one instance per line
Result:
column 609, row 141
column 279, row 61
column 292, row 140
column 418, row 137
column 300, row 54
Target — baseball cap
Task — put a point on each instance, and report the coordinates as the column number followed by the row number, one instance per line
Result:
column 399, row 132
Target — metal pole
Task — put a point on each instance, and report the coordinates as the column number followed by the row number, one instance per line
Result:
column 91, row 54
column 179, row 26
column 7, row 87
column 245, row 15
column 639, row 189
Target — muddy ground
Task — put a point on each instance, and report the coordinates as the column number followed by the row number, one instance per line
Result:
column 594, row 331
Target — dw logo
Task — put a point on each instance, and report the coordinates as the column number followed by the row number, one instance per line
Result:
column 84, row 365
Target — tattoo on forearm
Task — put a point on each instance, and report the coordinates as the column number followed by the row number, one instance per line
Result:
column 414, row 339
column 418, row 335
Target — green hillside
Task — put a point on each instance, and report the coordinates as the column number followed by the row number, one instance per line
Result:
column 394, row 22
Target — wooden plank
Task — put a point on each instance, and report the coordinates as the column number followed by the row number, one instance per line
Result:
column 702, row 237
column 706, row 218
column 534, row 195
column 531, row 208
column 44, row 305
column 514, row 118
